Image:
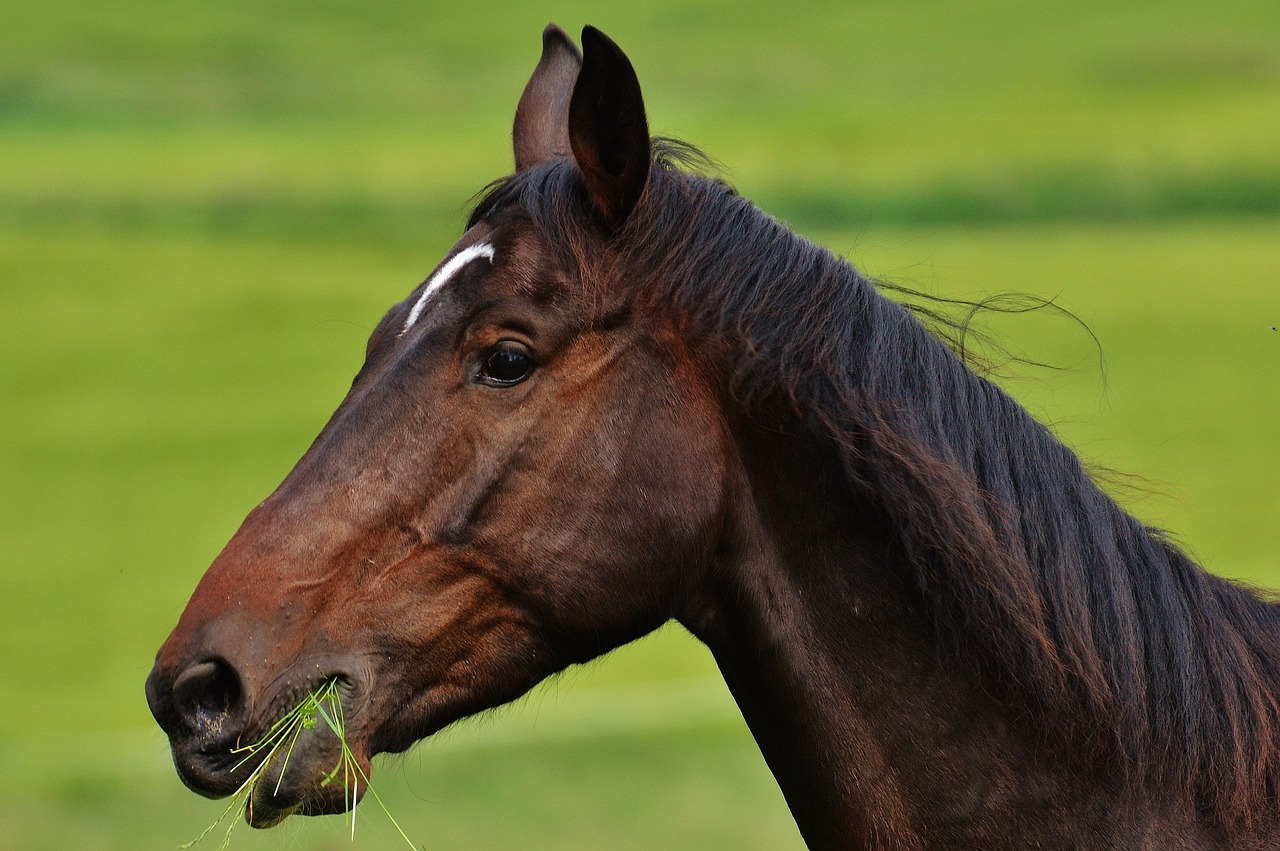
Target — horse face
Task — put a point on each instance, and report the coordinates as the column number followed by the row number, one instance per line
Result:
column 521, row 477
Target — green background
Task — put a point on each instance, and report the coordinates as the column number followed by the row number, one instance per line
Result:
column 205, row 208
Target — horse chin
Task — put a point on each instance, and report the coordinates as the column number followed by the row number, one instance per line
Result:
column 267, row 807
column 262, row 813
column 314, row 782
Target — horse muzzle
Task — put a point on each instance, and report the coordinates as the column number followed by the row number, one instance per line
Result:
column 283, row 748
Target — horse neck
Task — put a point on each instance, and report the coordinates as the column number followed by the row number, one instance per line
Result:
column 877, row 735
column 1035, row 582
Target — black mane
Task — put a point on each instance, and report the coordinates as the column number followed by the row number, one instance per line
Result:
column 1110, row 633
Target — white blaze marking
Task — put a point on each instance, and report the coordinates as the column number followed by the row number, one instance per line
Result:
column 442, row 276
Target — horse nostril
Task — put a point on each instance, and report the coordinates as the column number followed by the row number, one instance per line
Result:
column 207, row 697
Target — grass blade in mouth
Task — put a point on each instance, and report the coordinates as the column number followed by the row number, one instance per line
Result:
column 350, row 766
column 325, row 703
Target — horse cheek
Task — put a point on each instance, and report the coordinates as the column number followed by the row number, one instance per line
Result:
column 657, row 516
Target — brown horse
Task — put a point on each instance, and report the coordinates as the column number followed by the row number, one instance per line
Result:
column 628, row 396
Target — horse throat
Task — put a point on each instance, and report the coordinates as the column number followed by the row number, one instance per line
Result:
column 877, row 733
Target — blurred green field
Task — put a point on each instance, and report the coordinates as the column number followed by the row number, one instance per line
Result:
column 205, row 208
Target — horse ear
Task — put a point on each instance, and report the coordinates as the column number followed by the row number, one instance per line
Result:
column 541, row 128
column 607, row 127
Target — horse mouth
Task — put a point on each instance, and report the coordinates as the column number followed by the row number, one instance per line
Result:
column 300, row 763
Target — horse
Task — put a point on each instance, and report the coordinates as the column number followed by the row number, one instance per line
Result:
column 628, row 396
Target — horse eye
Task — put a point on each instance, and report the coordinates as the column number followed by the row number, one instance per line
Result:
column 508, row 364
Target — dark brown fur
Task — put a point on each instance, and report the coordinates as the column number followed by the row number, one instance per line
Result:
column 942, row 633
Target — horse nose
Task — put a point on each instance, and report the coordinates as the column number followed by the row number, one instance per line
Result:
column 205, row 703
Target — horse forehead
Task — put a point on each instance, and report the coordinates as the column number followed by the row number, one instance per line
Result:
column 443, row 275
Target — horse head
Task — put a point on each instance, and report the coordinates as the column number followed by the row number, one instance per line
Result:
column 524, row 474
